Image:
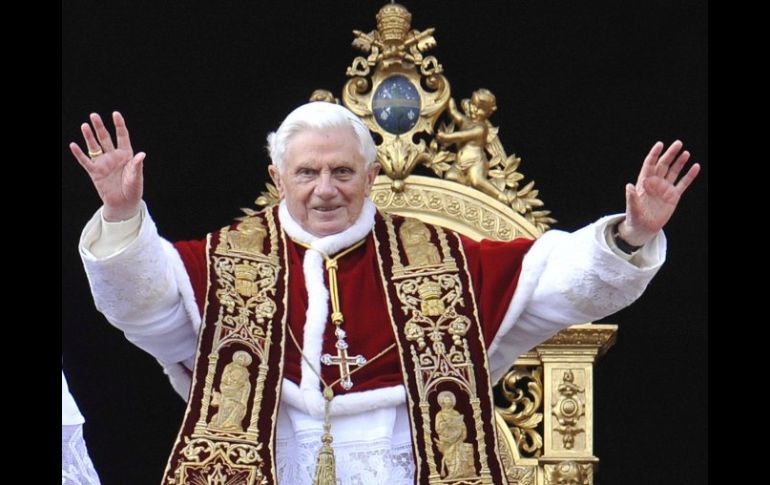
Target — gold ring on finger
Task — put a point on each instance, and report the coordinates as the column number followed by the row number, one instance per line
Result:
column 95, row 153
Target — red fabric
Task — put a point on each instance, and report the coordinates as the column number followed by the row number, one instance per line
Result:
column 494, row 266
column 193, row 254
column 366, row 324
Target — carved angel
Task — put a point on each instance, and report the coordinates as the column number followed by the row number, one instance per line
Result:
column 473, row 140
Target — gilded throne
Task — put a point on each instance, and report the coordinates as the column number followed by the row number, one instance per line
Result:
column 544, row 403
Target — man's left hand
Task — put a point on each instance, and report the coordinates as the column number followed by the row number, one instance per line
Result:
column 652, row 201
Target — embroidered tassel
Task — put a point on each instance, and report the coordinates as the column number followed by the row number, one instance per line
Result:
column 326, row 465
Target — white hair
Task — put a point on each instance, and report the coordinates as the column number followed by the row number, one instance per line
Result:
column 320, row 115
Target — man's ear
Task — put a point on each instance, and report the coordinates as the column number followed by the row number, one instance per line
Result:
column 275, row 174
column 371, row 174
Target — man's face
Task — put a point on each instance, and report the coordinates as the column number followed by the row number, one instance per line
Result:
column 323, row 180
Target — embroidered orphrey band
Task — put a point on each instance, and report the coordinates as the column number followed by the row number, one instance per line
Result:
column 434, row 316
column 228, row 432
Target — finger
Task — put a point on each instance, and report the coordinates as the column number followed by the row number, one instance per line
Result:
column 88, row 135
column 667, row 158
column 105, row 140
column 673, row 172
column 135, row 169
column 81, row 157
column 121, row 131
column 631, row 199
column 648, row 167
column 138, row 161
column 685, row 181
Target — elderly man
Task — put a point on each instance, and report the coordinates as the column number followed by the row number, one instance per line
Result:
column 353, row 321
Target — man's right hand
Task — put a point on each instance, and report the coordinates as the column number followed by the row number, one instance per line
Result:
column 115, row 172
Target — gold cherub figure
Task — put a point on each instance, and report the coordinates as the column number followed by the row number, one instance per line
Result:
column 472, row 166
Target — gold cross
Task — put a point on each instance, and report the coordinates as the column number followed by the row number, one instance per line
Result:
column 343, row 361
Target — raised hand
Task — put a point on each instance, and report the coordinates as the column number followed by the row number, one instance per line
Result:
column 115, row 172
column 652, row 201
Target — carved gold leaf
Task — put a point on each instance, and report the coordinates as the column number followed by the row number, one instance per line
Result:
column 524, row 411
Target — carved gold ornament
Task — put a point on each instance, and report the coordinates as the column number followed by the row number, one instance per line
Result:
column 569, row 473
column 523, row 389
column 569, row 409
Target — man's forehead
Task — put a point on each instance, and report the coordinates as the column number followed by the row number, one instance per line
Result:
column 342, row 131
column 310, row 161
column 314, row 147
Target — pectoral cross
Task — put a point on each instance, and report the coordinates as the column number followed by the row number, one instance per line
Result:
column 343, row 360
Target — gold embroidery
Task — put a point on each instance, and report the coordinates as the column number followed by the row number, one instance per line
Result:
column 225, row 443
column 206, row 461
column 446, row 291
column 445, row 265
column 430, row 294
column 430, row 297
column 420, row 251
column 242, row 320
column 246, row 280
column 457, row 455
column 476, row 401
column 248, row 238
column 398, row 266
column 232, row 397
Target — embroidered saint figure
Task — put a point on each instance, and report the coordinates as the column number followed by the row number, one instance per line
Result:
column 232, row 397
column 420, row 251
column 457, row 456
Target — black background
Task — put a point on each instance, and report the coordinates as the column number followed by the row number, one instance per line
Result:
column 583, row 88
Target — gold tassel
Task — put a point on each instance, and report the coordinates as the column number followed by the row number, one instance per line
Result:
column 326, row 465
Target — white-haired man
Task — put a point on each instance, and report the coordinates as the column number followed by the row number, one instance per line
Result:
column 344, row 310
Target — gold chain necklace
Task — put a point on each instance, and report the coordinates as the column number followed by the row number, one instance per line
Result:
column 326, row 468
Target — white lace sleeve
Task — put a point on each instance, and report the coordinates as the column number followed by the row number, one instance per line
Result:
column 138, row 289
column 570, row 278
column 76, row 465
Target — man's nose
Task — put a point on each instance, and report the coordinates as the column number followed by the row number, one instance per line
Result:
column 325, row 187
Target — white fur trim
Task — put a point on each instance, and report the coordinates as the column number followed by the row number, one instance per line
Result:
column 311, row 401
column 292, row 227
column 531, row 268
column 308, row 396
column 184, row 285
column 178, row 372
column 315, row 320
column 334, row 243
